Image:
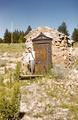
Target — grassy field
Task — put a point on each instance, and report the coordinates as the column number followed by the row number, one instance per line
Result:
column 56, row 94
column 12, row 48
column 17, row 47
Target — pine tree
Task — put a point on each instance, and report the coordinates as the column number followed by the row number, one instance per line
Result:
column 7, row 36
column 21, row 38
column 75, row 35
column 63, row 28
column 1, row 40
column 16, row 35
column 28, row 30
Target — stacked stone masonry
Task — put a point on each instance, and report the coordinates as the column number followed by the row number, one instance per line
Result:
column 60, row 50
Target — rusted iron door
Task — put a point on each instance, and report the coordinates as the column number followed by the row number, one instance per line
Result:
column 43, row 58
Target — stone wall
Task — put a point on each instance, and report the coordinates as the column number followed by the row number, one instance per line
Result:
column 8, row 61
column 60, row 49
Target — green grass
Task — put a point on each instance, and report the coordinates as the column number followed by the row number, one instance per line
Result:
column 10, row 96
column 3, row 63
column 73, row 110
column 9, row 101
column 10, row 90
column 75, row 63
column 75, row 45
column 12, row 48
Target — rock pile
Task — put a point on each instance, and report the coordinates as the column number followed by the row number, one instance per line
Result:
column 8, row 61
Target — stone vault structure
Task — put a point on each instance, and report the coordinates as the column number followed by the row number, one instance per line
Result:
column 60, row 42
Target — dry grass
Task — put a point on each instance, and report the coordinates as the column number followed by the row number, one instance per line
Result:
column 12, row 48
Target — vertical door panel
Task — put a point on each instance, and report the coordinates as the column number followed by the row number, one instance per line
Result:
column 42, row 56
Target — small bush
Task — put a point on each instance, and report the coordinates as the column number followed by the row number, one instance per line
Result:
column 76, row 62
column 2, row 63
column 17, row 72
column 1, row 79
column 54, row 74
column 9, row 101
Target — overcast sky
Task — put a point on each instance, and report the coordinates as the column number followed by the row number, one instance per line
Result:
column 52, row 13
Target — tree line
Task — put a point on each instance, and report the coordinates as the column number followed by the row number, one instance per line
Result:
column 63, row 28
column 18, row 36
column 15, row 37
